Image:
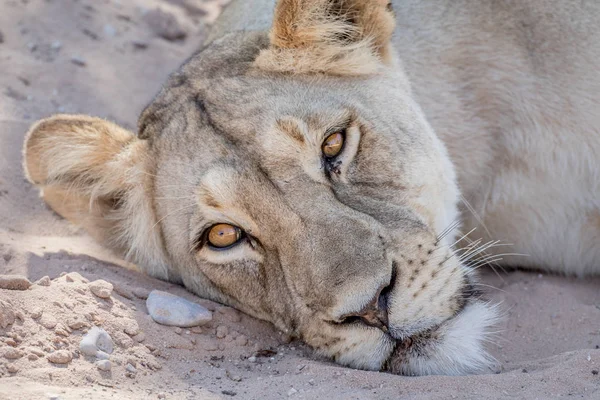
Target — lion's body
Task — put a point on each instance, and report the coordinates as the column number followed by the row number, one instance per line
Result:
column 354, row 252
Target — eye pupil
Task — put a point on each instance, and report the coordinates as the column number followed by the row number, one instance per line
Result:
column 333, row 144
column 224, row 235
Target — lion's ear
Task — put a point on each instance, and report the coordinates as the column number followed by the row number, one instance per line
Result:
column 94, row 173
column 340, row 37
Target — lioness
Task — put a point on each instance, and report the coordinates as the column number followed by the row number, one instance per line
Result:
column 307, row 167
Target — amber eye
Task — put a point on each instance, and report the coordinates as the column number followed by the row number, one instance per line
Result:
column 224, row 235
column 332, row 146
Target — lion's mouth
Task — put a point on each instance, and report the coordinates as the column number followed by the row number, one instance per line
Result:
column 454, row 347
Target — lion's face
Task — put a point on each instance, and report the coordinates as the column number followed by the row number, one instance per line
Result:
column 322, row 203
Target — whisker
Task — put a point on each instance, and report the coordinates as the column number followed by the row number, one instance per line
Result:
column 477, row 217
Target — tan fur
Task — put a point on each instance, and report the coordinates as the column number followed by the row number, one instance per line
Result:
column 317, row 36
column 358, row 255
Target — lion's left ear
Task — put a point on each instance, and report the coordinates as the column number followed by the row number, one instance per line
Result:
column 95, row 174
column 339, row 37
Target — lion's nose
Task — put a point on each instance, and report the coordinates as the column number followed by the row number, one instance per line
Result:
column 375, row 317
column 375, row 314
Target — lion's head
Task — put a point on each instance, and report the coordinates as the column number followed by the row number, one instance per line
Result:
column 292, row 176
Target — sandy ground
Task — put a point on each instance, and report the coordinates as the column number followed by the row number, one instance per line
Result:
column 106, row 58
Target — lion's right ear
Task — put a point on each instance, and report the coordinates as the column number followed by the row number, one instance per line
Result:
column 337, row 37
column 96, row 174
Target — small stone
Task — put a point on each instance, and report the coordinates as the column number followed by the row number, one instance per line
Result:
column 32, row 357
column 36, row 351
column 140, row 292
column 7, row 314
column 75, row 277
column 36, row 313
column 197, row 330
column 79, row 61
column 168, row 309
column 222, row 331
column 96, row 339
column 211, row 347
column 228, row 392
column 130, row 368
column 124, row 291
column 178, row 330
column 48, row 321
column 60, row 357
column 101, row 288
column 161, row 395
column 12, row 354
column 14, row 282
column 131, row 327
column 140, row 337
column 165, row 25
column 61, row 330
column 594, row 372
column 43, row 281
column 103, row 365
column 252, row 359
column 11, row 342
column 311, row 382
column 11, row 368
column 77, row 323
column 109, row 30
column 123, row 340
column 100, row 355
column 291, row 392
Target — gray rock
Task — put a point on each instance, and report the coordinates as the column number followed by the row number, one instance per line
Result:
column 96, row 339
column 78, row 60
column 100, row 355
column 168, row 309
column 130, row 368
column 104, row 365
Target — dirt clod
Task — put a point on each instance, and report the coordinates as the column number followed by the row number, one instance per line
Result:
column 14, row 282
column 60, row 357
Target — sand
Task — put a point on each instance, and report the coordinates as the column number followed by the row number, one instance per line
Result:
column 105, row 58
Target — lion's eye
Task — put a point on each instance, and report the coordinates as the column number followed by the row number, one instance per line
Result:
column 224, row 235
column 332, row 146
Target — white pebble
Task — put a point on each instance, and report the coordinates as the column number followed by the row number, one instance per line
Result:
column 104, row 365
column 168, row 309
column 96, row 339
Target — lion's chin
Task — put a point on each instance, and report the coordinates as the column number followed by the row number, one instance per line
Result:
column 457, row 347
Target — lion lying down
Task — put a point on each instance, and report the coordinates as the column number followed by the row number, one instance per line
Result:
column 310, row 174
